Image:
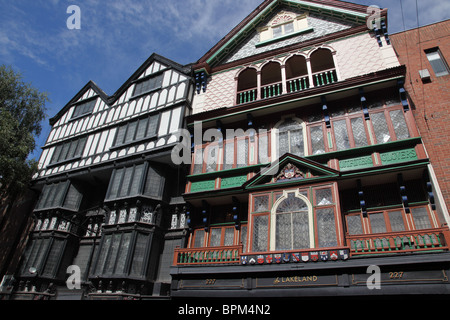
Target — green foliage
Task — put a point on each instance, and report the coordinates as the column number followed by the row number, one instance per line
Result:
column 22, row 109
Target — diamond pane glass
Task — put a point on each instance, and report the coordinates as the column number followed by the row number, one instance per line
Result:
column 380, row 127
column 260, row 233
column 212, row 152
column 396, row 220
column 261, row 203
column 263, row 149
column 420, row 217
column 229, row 155
column 283, row 143
column 326, row 227
column 324, row 197
column 399, row 123
column 317, row 143
column 122, row 255
column 300, row 230
column 139, row 254
column 283, row 237
column 377, row 222
column 359, row 132
column 215, row 237
column 341, row 135
column 199, row 238
column 354, row 225
column 242, row 153
column 296, row 142
column 229, row 237
column 292, row 204
column 198, row 161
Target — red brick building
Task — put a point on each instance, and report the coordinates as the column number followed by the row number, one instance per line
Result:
column 426, row 53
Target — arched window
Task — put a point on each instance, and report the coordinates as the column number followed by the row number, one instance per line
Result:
column 271, row 80
column 322, row 67
column 247, row 86
column 291, row 222
column 297, row 74
column 290, row 138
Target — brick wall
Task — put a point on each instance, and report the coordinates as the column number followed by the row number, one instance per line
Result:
column 431, row 99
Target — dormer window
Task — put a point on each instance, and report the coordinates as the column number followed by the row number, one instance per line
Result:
column 283, row 25
column 148, row 84
column 84, row 108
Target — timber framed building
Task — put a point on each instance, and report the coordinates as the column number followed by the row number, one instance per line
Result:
column 307, row 167
column 328, row 174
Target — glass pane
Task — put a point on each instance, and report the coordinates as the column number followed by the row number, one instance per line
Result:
column 263, row 149
column 288, row 27
column 139, row 254
column 80, row 147
column 324, row 197
column 437, row 63
column 123, row 191
column 261, row 203
column 399, row 123
column 198, row 161
column 72, row 149
column 114, row 184
column 341, row 135
column 277, row 31
column 73, row 198
column 229, row 237
column 377, row 222
column 380, row 127
column 396, row 220
column 292, row 204
column 103, row 254
column 199, row 239
column 242, row 153
column 136, row 182
column 283, row 143
column 120, row 135
column 326, row 227
column 53, row 257
column 296, row 142
column 154, row 184
column 244, row 238
column 215, row 237
column 300, row 230
column 229, row 155
column 142, row 126
column 260, row 233
column 123, row 252
column 111, row 259
column 420, row 217
column 283, row 236
column 354, row 225
column 317, row 143
column 152, row 125
column 359, row 132
column 212, row 153
column 131, row 131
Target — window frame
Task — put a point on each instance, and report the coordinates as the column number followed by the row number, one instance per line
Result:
column 148, row 79
column 91, row 103
column 437, row 51
column 386, row 110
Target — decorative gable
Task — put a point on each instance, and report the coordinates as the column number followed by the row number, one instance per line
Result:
column 291, row 169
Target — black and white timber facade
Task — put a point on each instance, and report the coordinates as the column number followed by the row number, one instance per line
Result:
column 110, row 202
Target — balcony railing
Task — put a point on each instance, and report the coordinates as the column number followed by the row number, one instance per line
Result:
column 325, row 77
column 298, row 84
column 271, row 90
column 208, row 255
column 275, row 89
column 399, row 242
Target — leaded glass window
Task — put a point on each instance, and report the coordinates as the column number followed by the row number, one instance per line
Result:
column 199, row 238
column 68, row 150
column 59, row 195
column 377, row 222
column 326, row 227
column 359, row 132
column 380, row 127
column 323, row 197
column 136, row 130
column 148, row 85
column 341, row 134
column 138, row 263
column 261, row 203
column 53, row 258
column 242, row 153
column 396, row 221
column 290, row 138
column 260, row 239
column 399, row 124
column 354, row 224
column 229, row 155
column 317, row 141
column 421, row 218
column 292, row 224
column 84, row 108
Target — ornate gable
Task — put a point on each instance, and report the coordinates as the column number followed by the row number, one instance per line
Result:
column 293, row 169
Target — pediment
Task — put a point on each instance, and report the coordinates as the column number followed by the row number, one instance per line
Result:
column 291, row 169
column 277, row 24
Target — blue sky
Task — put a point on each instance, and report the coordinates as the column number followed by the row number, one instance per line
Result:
column 117, row 36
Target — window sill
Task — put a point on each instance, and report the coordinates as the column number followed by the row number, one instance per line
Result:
column 283, row 37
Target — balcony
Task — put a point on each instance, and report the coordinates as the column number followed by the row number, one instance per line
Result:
column 404, row 242
column 296, row 74
column 399, row 242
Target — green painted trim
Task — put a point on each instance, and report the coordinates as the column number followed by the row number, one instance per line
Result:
column 398, row 156
column 372, row 170
column 228, row 172
column 201, row 186
column 293, row 182
column 232, row 182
